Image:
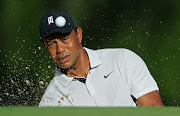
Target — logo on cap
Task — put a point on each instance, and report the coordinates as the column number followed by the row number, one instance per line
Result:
column 50, row 20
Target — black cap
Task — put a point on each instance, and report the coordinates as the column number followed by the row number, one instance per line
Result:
column 56, row 21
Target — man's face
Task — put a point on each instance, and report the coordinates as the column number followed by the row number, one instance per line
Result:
column 64, row 50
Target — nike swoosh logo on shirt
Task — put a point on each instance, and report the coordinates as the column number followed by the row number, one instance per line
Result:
column 105, row 76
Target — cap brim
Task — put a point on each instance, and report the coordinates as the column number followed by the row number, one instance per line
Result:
column 66, row 30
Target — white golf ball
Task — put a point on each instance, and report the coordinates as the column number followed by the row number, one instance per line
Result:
column 60, row 21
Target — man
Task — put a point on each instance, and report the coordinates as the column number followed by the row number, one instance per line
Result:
column 85, row 77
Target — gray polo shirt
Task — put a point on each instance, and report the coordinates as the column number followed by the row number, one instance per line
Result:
column 114, row 76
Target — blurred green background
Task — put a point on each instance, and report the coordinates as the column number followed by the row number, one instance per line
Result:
column 149, row 28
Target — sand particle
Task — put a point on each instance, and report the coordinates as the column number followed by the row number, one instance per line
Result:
column 67, row 96
column 39, row 48
column 12, row 81
column 27, row 67
column 62, row 98
column 41, row 82
column 27, row 82
column 7, row 94
column 41, row 87
column 19, row 90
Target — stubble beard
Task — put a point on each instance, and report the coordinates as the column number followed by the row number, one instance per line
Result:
column 71, row 64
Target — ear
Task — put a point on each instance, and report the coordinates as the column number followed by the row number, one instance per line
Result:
column 79, row 34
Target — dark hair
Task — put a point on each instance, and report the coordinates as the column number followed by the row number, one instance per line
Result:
column 75, row 29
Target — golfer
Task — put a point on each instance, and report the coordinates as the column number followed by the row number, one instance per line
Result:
column 84, row 77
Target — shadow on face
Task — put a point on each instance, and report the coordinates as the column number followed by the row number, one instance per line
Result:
column 55, row 35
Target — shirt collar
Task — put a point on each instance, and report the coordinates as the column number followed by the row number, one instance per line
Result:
column 94, row 62
column 62, row 78
column 94, row 58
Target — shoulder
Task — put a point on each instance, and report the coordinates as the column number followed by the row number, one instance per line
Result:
column 50, row 87
column 111, row 51
column 121, row 56
column 117, row 54
column 115, row 51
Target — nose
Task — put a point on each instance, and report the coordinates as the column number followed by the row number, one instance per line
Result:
column 60, row 47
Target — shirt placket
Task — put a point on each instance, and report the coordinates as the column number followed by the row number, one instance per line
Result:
column 89, row 86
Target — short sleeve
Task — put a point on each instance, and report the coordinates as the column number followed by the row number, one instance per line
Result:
column 141, row 81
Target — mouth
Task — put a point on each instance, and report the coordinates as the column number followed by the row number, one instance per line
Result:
column 63, row 59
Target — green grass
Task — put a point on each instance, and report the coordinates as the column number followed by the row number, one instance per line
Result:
column 91, row 111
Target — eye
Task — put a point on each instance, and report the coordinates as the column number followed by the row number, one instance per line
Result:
column 65, row 39
column 50, row 44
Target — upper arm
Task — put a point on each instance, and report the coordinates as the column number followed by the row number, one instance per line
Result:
column 142, row 85
column 150, row 99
